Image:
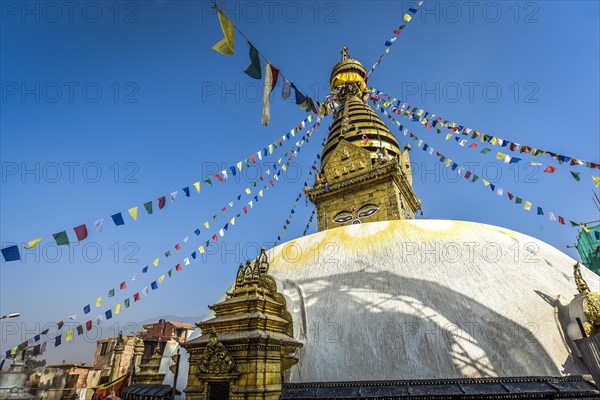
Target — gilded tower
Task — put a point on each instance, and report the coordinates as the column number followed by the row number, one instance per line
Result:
column 364, row 176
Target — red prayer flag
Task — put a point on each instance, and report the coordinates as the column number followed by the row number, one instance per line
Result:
column 510, row 196
column 81, row 232
column 224, row 209
column 473, row 145
column 561, row 220
column 271, row 182
column 525, row 149
column 274, row 75
column 123, row 285
column 136, row 296
column 36, row 349
column 178, row 267
column 467, row 174
column 215, row 238
column 218, row 177
column 253, row 159
column 550, row 169
column 60, row 324
column 245, row 210
column 177, row 247
column 88, row 325
column 161, row 202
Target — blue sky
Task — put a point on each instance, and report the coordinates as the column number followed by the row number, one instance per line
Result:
column 109, row 105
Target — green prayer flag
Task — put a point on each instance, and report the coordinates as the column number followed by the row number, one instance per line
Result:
column 573, row 224
column 518, row 200
column 485, row 150
column 207, row 180
column 442, row 158
column 168, row 253
column 148, row 207
column 80, row 330
column 170, row 273
column 61, row 238
column 475, row 177
column 127, row 302
column 111, row 293
column 254, row 70
column 576, row 175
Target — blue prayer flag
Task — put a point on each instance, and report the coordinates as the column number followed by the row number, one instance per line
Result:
column 118, row 219
column 11, row 253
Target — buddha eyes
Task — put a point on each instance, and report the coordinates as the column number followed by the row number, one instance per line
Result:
column 342, row 219
column 346, row 216
column 367, row 210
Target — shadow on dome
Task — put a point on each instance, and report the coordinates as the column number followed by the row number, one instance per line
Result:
column 368, row 325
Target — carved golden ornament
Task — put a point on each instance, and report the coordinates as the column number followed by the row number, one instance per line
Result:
column 215, row 359
column 582, row 286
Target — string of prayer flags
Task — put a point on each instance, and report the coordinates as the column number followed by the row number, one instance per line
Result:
column 12, row 253
column 225, row 46
column 518, row 200
column 380, row 103
column 397, row 31
column 430, row 120
column 136, row 296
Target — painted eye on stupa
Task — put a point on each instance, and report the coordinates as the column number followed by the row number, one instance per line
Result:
column 367, row 210
column 342, row 217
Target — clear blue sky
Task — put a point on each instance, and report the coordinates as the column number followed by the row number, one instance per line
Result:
column 133, row 92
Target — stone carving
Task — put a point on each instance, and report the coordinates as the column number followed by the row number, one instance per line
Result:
column 215, row 359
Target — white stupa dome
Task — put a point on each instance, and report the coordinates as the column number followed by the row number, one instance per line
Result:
column 425, row 299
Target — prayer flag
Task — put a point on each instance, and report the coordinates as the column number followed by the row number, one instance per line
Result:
column 225, row 45
column 118, row 219
column 81, row 232
column 61, row 238
column 161, row 202
column 254, row 70
column 197, row 186
column 133, row 211
column 11, row 253
column 86, row 309
column 32, row 243
column 148, row 207
column 99, row 224
column 98, row 301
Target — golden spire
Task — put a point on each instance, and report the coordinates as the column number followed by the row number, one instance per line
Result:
column 362, row 160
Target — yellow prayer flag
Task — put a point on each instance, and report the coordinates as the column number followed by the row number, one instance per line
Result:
column 279, row 161
column 596, row 180
column 500, row 156
column 206, row 225
column 293, row 132
column 232, row 221
column 448, row 162
column 69, row 335
column 225, row 45
column 270, row 149
column 494, row 140
column 32, row 243
column 155, row 262
column 421, row 111
column 407, row 17
column 248, row 191
column 448, row 136
column 284, row 168
column 260, row 193
column 201, row 249
column 486, row 183
column 98, row 301
column 527, row 205
column 420, row 143
column 585, row 228
column 309, row 118
column 197, row 186
column 239, row 165
column 13, row 351
column 133, row 212
column 118, row 308
column 161, row 278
